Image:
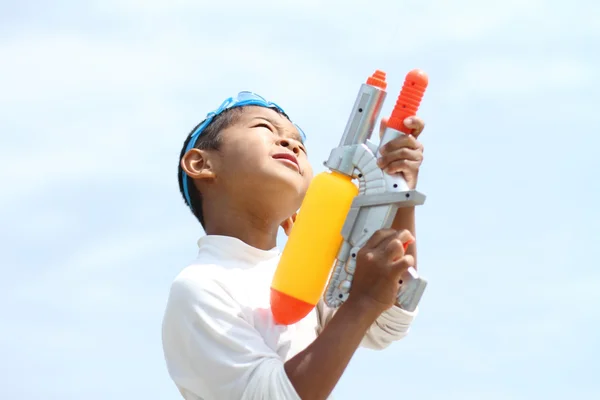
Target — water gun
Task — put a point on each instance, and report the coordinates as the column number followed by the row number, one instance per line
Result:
column 337, row 216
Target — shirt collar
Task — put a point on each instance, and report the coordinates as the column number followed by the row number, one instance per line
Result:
column 231, row 251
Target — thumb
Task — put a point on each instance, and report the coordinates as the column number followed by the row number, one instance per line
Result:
column 382, row 126
column 288, row 224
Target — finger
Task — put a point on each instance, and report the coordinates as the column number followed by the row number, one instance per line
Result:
column 402, row 166
column 406, row 237
column 399, row 267
column 382, row 126
column 416, row 124
column 403, row 154
column 394, row 249
column 288, row 224
column 396, row 245
column 400, row 142
column 378, row 237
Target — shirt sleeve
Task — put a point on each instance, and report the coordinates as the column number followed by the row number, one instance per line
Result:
column 212, row 352
column 392, row 325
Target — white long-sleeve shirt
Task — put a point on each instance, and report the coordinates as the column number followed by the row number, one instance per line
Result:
column 219, row 338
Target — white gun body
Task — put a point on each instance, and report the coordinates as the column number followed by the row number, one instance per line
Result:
column 380, row 195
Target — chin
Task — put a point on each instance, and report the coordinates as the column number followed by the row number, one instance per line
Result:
column 285, row 194
column 291, row 181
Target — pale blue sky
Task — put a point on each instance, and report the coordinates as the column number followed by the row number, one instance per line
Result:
column 97, row 97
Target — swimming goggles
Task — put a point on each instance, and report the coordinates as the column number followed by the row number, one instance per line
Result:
column 242, row 99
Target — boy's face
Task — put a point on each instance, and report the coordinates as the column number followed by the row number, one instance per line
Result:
column 262, row 159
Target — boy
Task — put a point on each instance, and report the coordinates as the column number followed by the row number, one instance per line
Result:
column 243, row 172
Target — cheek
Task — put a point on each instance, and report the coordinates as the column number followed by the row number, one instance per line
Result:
column 247, row 154
column 308, row 176
column 308, row 171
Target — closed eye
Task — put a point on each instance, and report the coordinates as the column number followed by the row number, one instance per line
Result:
column 269, row 127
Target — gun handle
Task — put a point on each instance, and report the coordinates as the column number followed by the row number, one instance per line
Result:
column 407, row 105
column 411, row 290
column 396, row 182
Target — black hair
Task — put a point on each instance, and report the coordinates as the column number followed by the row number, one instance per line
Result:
column 210, row 139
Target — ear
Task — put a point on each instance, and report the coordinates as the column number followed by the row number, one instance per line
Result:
column 198, row 165
column 288, row 224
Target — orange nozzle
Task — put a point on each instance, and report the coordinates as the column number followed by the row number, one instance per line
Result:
column 288, row 310
column 409, row 100
column 377, row 80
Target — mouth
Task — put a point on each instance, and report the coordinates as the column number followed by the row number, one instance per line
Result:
column 288, row 159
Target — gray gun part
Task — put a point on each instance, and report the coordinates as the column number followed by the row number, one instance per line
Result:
column 380, row 196
column 374, row 208
column 359, row 128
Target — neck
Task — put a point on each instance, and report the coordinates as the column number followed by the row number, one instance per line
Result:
column 234, row 220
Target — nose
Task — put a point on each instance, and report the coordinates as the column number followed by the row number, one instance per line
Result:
column 290, row 144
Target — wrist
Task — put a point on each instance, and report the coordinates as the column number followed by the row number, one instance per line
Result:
column 406, row 210
column 405, row 219
column 364, row 308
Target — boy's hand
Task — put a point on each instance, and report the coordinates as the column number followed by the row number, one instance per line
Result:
column 380, row 264
column 404, row 154
column 288, row 224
